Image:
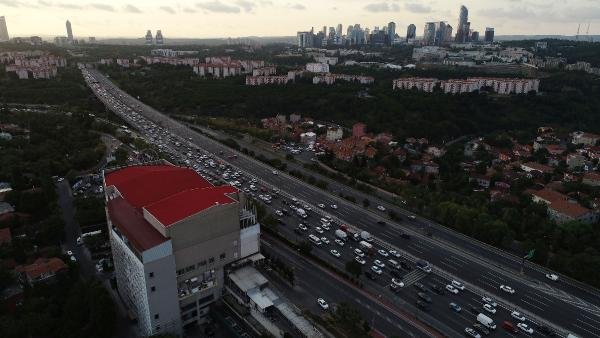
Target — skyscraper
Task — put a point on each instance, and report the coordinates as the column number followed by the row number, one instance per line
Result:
column 338, row 31
column 149, row 37
column 429, row 33
column 3, row 30
column 489, row 34
column 474, row 36
column 69, row 32
column 159, row 38
column 411, row 32
column 462, row 30
column 391, row 32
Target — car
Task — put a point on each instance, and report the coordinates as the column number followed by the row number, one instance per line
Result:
column 422, row 305
column 274, row 172
column 395, row 288
column 379, row 263
column 383, row 252
column 359, row 253
column 73, row 259
column 322, row 303
column 325, row 240
column 470, row 332
column 481, row 328
column 508, row 326
column 412, row 216
column 455, row 307
column 307, row 207
column 424, row 296
column 381, row 222
column 507, row 289
column 319, row 230
column 458, row 285
column 420, row 286
column 376, row 269
column 525, row 328
column 380, row 208
column 339, row 242
column 302, row 227
column 436, row 288
column 334, row 206
column 488, row 300
column 452, row 289
column 360, row 260
column 335, row 253
column 69, row 253
column 321, row 205
column 518, row 316
column 278, row 213
column 552, row 277
column 398, row 282
column 489, row 308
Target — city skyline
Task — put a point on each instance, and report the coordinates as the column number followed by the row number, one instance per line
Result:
column 233, row 18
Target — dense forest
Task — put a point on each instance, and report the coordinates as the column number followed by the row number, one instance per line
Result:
column 568, row 99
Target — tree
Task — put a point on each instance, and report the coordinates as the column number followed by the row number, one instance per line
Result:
column 354, row 268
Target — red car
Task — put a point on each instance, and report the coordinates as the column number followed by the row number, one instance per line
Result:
column 508, row 326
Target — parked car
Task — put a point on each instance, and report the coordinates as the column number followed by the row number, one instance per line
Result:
column 322, row 303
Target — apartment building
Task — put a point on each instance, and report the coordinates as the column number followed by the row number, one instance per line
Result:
column 265, row 80
column 421, row 84
column 502, row 86
column 330, row 79
column 172, row 234
column 218, row 70
column 270, row 70
column 315, row 67
column 561, row 209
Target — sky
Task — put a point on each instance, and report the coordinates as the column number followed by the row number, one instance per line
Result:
column 235, row 18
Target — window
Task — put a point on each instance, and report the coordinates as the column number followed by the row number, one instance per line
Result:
column 222, row 256
column 151, row 274
column 211, row 260
column 156, row 316
column 153, row 288
column 158, row 328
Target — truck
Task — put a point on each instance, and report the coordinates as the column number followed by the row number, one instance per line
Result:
column 341, row 234
column 366, row 236
column 486, row 321
column 366, row 246
column 300, row 212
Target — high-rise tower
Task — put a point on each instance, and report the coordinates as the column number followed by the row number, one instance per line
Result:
column 411, row 32
column 149, row 37
column 462, row 30
column 69, row 32
column 391, row 32
column 159, row 38
column 3, row 30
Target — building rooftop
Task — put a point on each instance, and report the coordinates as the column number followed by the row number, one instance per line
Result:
column 42, row 267
column 561, row 203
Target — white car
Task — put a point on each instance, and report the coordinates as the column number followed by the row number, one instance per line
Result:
column 507, row 289
column 379, row 263
column 339, row 242
column 376, row 269
column 278, row 213
column 322, row 303
column 518, row 316
column 398, row 282
column 302, row 227
column 525, row 328
column 488, row 300
column 489, row 308
column 383, row 252
column 359, row 253
column 321, row 205
column 360, row 260
column 325, row 240
column 458, row 285
column 69, row 253
column 452, row 289
column 73, row 259
column 307, row 207
column 319, row 230
column 334, row 206
column 274, row 172
column 380, row 208
column 335, row 253
column 552, row 277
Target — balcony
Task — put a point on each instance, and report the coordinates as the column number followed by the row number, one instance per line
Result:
column 196, row 284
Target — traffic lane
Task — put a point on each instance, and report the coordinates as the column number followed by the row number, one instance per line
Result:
column 335, row 292
column 213, row 144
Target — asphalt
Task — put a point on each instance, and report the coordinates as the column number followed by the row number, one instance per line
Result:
column 567, row 307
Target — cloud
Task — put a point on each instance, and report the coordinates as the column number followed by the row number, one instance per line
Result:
column 103, row 7
column 42, row 3
column 189, row 10
column 511, row 13
column 218, row 7
column 69, row 6
column 299, row 7
column 246, row 5
column 167, row 9
column 379, row 7
column 11, row 3
column 417, row 8
column 132, row 9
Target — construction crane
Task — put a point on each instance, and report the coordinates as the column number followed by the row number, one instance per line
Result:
column 577, row 35
column 587, row 32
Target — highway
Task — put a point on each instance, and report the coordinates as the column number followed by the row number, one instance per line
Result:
column 537, row 299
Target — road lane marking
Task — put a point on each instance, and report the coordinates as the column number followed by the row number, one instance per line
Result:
column 535, row 306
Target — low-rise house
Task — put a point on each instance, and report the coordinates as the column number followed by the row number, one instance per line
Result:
column 580, row 137
column 42, row 270
column 592, row 179
column 561, row 209
column 534, row 166
column 575, row 161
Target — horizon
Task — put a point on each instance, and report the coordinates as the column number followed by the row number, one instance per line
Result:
column 215, row 19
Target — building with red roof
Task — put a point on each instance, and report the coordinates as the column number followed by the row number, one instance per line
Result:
column 172, row 233
column 561, row 209
column 42, row 270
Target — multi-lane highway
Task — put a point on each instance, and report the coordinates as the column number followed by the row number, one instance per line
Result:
column 540, row 300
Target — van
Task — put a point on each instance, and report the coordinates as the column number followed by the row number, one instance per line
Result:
column 508, row 326
column 486, row 321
